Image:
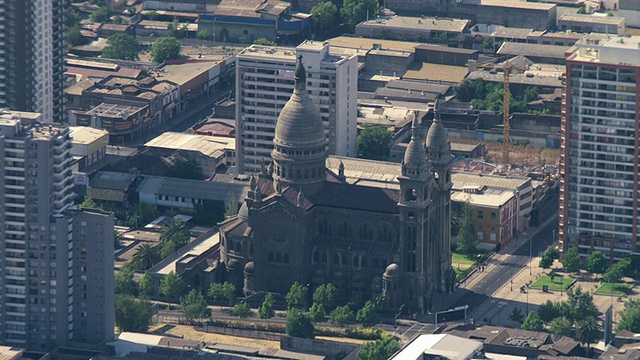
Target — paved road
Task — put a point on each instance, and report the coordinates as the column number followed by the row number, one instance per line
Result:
column 510, row 261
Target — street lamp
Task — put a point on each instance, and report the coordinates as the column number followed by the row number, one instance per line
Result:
column 530, row 273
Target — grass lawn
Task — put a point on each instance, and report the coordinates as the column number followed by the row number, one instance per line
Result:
column 619, row 289
column 559, row 283
column 462, row 260
column 461, row 273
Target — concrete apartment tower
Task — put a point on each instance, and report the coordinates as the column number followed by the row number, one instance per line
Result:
column 32, row 48
column 56, row 263
column 599, row 149
column 264, row 84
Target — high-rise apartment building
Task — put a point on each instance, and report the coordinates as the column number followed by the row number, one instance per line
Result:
column 56, row 263
column 599, row 149
column 264, row 83
column 32, row 48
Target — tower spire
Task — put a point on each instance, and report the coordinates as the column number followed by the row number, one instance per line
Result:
column 300, row 76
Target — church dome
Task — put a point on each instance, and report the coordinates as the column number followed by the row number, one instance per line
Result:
column 249, row 268
column 244, row 211
column 299, row 122
column 437, row 137
column 232, row 265
column 393, row 270
column 415, row 155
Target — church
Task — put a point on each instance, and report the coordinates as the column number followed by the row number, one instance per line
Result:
column 369, row 227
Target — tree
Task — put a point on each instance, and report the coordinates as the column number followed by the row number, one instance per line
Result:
column 266, row 309
column 317, row 312
column 188, row 169
column 121, row 46
column 630, row 316
column 165, row 48
column 73, row 17
column 131, row 314
column 548, row 311
column 466, row 236
column 324, row 16
column 533, row 322
column 531, row 94
column 242, row 310
column 516, row 315
column 325, row 295
column 579, row 305
column 222, row 291
column 194, row 307
column 176, row 232
column 88, row 203
column 171, row 286
column 145, row 257
column 146, row 287
column 571, row 260
column 548, row 257
column 368, row 314
column 152, row 15
column 123, row 282
column 142, row 214
column 297, row 296
column 299, row 324
column 380, row 349
column 597, row 263
column 342, row 315
column 74, row 36
column 560, row 326
column 487, row 43
column 355, row 11
column 588, row 331
column 616, row 272
column 177, row 29
column 102, row 14
column 264, row 41
column 374, row 143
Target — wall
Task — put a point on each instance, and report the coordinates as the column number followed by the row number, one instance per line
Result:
column 330, row 349
column 387, row 63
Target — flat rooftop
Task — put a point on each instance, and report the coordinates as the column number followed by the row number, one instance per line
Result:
column 10, row 353
column 593, row 19
column 367, row 44
column 607, row 49
column 183, row 73
column 114, row 110
column 210, row 146
column 86, row 134
column 493, row 198
column 518, row 4
column 436, row 72
column 416, row 23
column 195, row 248
column 462, row 179
column 369, row 173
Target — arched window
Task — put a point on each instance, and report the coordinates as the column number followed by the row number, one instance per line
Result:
column 480, row 215
column 325, row 256
column 425, row 193
column 336, row 259
column 271, row 257
column 363, row 262
column 278, row 257
column 410, row 195
column 356, row 261
column 238, row 247
column 316, row 257
column 230, row 248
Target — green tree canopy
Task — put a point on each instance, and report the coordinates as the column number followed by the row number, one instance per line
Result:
column 317, row 312
column 342, row 315
column 571, row 260
column 588, row 331
column 548, row 257
column 242, row 310
column 74, row 36
column 466, row 237
column 100, row 15
column 630, row 316
column 146, row 287
column 189, row 169
column 355, row 11
column 222, row 291
column 325, row 295
column 560, row 326
column 145, row 257
column 266, row 310
column 597, row 263
column 123, row 281
column 297, row 296
column 131, row 314
column 121, row 46
column 549, row 311
column 173, row 237
column 194, row 307
column 264, row 41
column 151, row 15
column 171, row 285
column 368, row 314
column 579, row 305
column 533, row 322
column 374, row 143
column 380, row 349
column 166, row 48
column 324, row 16
column 299, row 324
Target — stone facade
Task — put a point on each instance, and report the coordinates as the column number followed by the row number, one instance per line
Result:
column 304, row 222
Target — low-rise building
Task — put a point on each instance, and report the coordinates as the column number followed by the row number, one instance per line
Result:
column 583, row 23
column 440, row 347
column 549, row 54
column 89, row 145
column 214, row 154
column 114, row 188
column 440, row 54
column 423, row 29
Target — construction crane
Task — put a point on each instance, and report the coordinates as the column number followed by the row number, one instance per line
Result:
column 506, row 70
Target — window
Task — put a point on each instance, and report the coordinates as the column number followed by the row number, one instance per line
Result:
column 480, row 215
column 493, row 216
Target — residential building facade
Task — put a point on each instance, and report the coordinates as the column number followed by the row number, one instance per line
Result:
column 264, row 83
column 46, row 262
column 32, row 60
column 599, row 148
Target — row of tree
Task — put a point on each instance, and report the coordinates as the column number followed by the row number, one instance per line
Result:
column 126, row 47
column 329, row 14
column 597, row 263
